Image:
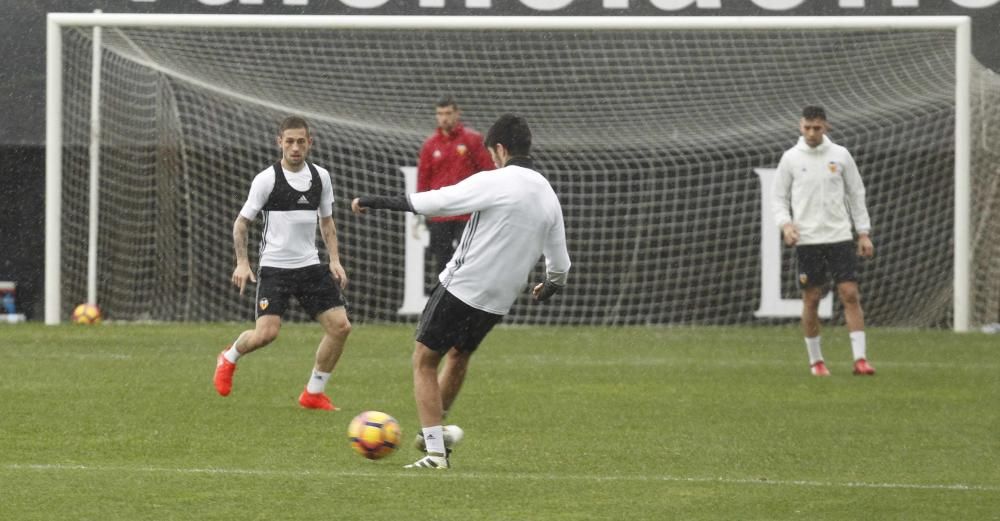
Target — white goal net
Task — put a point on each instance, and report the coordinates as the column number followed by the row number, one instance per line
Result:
column 655, row 139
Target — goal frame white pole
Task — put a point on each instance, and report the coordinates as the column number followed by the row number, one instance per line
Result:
column 53, row 171
column 963, row 57
column 962, row 304
column 95, row 166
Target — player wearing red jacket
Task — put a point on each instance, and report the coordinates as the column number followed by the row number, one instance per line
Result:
column 451, row 154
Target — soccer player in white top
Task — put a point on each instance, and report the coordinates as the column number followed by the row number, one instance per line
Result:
column 516, row 219
column 291, row 195
column 817, row 198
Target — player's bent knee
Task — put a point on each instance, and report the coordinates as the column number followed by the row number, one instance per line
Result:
column 811, row 299
column 343, row 328
column 850, row 299
column 338, row 327
column 849, row 294
column 335, row 322
column 459, row 356
column 425, row 357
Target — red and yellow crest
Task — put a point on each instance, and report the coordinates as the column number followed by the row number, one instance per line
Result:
column 461, row 149
column 263, row 304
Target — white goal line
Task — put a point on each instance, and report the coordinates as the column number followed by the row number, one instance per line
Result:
column 519, row 476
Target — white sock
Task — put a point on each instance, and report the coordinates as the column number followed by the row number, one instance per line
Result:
column 232, row 354
column 858, row 344
column 434, row 439
column 812, row 346
column 317, row 382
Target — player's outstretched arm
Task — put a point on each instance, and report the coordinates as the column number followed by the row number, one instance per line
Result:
column 362, row 204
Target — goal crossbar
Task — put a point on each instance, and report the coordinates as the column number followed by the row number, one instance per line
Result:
column 508, row 22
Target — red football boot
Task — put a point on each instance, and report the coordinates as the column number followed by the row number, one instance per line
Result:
column 224, row 370
column 861, row 367
column 316, row 401
column 819, row 369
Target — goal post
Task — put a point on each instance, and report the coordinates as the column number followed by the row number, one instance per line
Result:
column 621, row 87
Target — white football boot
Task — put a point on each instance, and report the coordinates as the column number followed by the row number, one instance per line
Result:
column 433, row 461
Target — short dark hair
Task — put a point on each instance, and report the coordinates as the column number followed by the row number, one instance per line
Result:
column 446, row 100
column 293, row 122
column 512, row 132
column 813, row 112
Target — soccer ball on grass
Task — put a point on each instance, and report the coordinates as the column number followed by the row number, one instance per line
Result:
column 374, row 434
column 86, row 314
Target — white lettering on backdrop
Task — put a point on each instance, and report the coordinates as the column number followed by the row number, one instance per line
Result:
column 555, row 5
column 771, row 303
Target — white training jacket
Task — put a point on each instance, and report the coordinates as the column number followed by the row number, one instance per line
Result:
column 820, row 190
column 516, row 218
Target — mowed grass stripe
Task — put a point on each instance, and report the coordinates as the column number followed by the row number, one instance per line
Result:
column 543, row 359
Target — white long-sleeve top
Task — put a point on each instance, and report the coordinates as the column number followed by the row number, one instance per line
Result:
column 516, row 218
column 820, row 191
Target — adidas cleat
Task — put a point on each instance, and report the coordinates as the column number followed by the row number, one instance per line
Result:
column 433, row 460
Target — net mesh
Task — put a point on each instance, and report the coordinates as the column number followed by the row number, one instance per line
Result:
column 650, row 137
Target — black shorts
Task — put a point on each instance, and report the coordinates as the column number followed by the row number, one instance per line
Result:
column 448, row 322
column 817, row 263
column 313, row 286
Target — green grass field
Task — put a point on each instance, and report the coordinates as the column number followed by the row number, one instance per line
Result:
column 121, row 422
